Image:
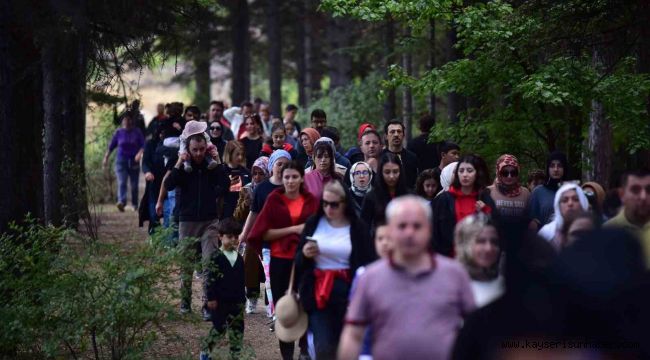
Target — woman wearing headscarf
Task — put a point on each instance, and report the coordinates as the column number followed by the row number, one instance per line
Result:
column 253, row 271
column 510, row 198
column 596, row 196
column 447, row 177
column 308, row 138
column 569, row 200
column 541, row 200
column 361, row 184
column 478, row 249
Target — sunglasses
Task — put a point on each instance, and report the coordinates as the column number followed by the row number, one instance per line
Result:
column 511, row 173
column 333, row 204
column 361, row 172
column 213, row 128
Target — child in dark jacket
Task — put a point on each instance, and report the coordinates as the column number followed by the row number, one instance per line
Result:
column 225, row 290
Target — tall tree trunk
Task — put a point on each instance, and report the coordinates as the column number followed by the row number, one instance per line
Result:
column 202, row 80
column 6, row 123
column 455, row 102
column 340, row 63
column 314, row 23
column 299, row 55
column 53, row 135
column 241, row 68
column 600, row 137
column 407, row 98
column 389, row 49
column 275, row 55
column 431, row 64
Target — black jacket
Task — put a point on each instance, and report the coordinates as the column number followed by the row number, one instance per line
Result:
column 200, row 191
column 444, row 220
column 427, row 153
column 224, row 282
column 363, row 253
column 410, row 164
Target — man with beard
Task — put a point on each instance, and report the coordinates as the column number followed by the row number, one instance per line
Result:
column 635, row 215
column 394, row 133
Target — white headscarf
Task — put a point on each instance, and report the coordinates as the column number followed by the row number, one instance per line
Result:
column 549, row 230
column 355, row 189
column 447, row 176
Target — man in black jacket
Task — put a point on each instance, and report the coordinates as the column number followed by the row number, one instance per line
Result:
column 394, row 133
column 200, row 191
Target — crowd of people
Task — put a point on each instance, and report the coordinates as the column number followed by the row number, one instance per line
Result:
column 387, row 250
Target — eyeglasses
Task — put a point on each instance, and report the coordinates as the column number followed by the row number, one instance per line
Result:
column 511, row 173
column 361, row 172
column 333, row 204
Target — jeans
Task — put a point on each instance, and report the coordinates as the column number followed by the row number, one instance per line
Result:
column 168, row 207
column 327, row 324
column 127, row 170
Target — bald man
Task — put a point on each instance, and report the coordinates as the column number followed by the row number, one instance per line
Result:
column 415, row 300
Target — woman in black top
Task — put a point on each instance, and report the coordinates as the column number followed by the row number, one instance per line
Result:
column 390, row 184
column 238, row 175
column 252, row 138
column 216, row 137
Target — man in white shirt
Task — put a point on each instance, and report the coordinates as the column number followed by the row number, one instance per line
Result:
column 236, row 115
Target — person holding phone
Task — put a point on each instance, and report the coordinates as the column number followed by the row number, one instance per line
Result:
column 334, row 243
column 234, row 158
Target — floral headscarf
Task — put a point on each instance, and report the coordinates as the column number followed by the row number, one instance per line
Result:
column 508, row 190
column 261, row 163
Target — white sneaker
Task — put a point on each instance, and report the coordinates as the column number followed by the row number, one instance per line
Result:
column 251, row 306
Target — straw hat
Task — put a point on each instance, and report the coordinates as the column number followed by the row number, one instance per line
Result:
column 291, row 320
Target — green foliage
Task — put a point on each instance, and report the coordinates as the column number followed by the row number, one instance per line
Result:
column 347, row 107
column 64, row 299
column 530, row 72
column 101, row 182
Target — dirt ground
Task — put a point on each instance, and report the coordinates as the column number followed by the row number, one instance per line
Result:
column 181, row 339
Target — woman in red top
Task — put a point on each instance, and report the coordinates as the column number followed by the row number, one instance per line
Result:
column 466, row 196
column 281, row 222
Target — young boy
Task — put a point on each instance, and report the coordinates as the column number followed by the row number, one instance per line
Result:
column 225, row 290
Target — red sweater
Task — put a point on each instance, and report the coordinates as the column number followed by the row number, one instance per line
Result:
column 275, row 215
column 465, row 204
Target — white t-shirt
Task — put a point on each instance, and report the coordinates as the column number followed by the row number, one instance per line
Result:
column 487, row 291
column 334, row 245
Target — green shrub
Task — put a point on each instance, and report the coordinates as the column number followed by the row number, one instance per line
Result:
column 64, row 297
